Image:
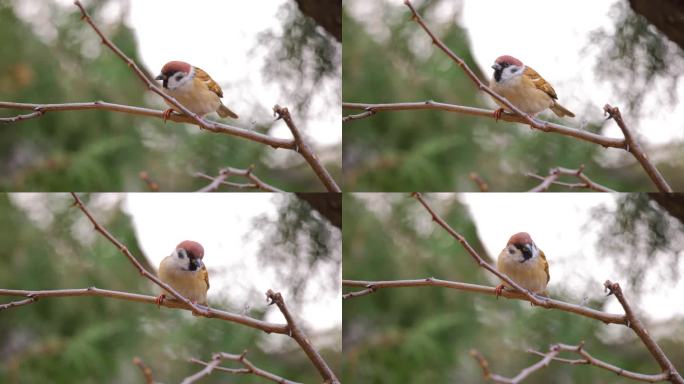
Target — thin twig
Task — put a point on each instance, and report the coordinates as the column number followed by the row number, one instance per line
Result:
column 555, row 173
column 298, row 335
column 373, row 286
column 249, row 367
column 359, row 116
column 147, row 299
column 481, row 184
column 488, row 375
column 152, row 185
column 588, row 359
column 146, row 371
column 303, row 149
column 225, row 173
column 19, row 303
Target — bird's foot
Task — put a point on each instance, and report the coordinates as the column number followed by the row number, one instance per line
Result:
column 167, row 114
column 498, row 113
column 499, row 289
column 160, row 300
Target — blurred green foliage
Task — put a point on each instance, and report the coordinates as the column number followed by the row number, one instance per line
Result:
column 634, row 49
column 424, row 335
column 49, row 245
column 437, row 150
column 301, row 242
column 100, row 150
column 304, row 54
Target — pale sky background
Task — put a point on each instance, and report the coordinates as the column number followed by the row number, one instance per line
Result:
column 221, row 223
column 217, row 36
column 569, row 246
column 550, row 39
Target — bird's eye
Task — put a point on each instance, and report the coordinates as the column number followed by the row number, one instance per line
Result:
column 179, row 77
column 514, row 70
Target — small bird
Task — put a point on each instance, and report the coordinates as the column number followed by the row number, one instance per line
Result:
column 524, row 88
column 524, row 263
column 184, row 271
column 193, row 88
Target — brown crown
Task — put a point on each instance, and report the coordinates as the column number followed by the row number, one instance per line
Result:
column 175, row 66
column 520, row 238
column 510, row 60
column 193, row 248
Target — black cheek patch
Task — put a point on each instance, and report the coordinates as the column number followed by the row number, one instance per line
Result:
column 193, row 265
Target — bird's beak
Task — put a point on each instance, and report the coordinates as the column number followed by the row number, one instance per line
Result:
column 160, row 77
column 197, row 263
column 496, row 66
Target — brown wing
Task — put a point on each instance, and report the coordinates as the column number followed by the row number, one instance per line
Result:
column 539, row 82
column 546, row 266
column 211, row 84
column 205, row 275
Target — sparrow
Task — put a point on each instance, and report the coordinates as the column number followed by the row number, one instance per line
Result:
column 184, row 271
column 524, row 263
column 524, row 88
column 193, row 88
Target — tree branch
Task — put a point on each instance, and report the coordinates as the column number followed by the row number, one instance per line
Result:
column 249, row 368
column 303, row 149
column 481, row 184
column 225, row 173
column 147, row 299
column 555, row 173
column 638, row 327
column 373, row 286
column 635, row 149
column 146, row 371
column 488, row 375
column 545, row 126
column 298, row 335
column 591, row 360
column 41, row 109
column 152, row 185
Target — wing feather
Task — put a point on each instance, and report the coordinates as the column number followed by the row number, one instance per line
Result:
column 211, row 84
column 205, row 275
column 539, row 82
column 546, row 266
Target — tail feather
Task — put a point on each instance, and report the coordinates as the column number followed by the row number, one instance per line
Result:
column 561, row 111
column 223, row 111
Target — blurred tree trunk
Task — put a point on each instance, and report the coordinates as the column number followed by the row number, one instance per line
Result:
column 666, row 15
column 329, row 205
column 673, row 203
column 326, row 13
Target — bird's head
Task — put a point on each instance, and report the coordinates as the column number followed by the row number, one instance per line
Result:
column 175, row 74
column 188, row 255
column 521, row 248
column 506, row 67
